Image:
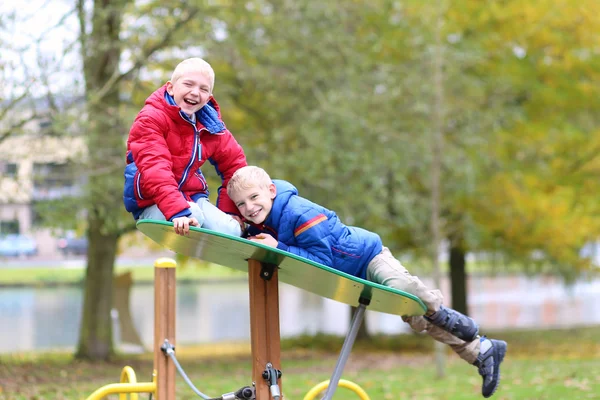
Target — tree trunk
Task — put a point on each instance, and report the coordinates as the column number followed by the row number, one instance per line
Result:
column 105, row 134
column 437, row 147
column 458, row 277
column 95, row 339
column 101, row 52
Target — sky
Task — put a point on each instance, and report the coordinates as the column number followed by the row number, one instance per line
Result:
column 42, row 29
column 38, row 32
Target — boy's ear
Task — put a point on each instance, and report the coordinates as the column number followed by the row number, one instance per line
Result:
column 273, row 190
column 170, row 87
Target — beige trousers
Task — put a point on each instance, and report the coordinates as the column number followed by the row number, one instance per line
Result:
column 386, row 270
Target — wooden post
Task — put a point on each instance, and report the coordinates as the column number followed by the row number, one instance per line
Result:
column 264, row 326
column 164, row 326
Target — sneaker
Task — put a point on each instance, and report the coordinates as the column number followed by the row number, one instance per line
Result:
column 488, row 362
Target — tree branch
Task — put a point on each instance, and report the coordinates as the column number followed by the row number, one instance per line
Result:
column 142, row 59
column 8, row 131
column 61, row 21
column 82, row 28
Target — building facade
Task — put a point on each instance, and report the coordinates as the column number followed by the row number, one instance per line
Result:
column 35, row 167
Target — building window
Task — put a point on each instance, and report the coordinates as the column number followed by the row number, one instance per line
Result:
column 7, row 227
column 8, row 170
column 45, row 124
column 52, row 175
column 53, row 180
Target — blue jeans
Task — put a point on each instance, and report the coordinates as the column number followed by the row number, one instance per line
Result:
column 208, row 216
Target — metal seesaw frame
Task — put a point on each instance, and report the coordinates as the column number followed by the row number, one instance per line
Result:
column 265, row 267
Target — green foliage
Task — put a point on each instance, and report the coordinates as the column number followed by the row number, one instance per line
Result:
column 338, row 98
column 192, row 271
column 340, row 103
column 314, row 105
column 540, row 177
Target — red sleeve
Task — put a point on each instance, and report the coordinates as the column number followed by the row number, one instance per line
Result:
column 153, row 159
column 227, row 158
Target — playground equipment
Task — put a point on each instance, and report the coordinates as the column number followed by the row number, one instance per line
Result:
column 343, row 383
column 164, row 329
column 128, row 385
column 266, row 266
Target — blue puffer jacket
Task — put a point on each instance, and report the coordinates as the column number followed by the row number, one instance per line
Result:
column 314, row 232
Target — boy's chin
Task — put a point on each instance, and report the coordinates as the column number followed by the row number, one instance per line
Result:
column 256, row 221
column 190, row 111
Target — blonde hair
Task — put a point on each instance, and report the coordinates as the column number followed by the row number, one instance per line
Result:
column 247, row 177
column 194, row 64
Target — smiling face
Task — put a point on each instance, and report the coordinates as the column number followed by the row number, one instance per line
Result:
column 191, row 91
column 255, row 202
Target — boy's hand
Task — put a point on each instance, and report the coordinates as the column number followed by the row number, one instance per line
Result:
column 264, row 238
column 182, row 225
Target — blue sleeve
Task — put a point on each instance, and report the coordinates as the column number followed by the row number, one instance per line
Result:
column 183, row 213
column 311, row 231
column 251, row 230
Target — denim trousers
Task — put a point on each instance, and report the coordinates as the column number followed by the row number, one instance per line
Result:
column 208, row 216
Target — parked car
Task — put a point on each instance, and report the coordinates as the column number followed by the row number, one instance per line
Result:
column 72, row 245
column 16, row 245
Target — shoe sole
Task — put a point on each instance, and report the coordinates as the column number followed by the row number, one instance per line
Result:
column 500, row 348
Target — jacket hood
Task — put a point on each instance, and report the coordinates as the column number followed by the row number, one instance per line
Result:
column 285, row 191
column 157, row 100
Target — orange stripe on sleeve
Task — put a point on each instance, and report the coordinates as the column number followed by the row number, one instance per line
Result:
column 310, row 223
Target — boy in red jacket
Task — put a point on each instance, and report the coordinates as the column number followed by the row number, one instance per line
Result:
column 176, row 132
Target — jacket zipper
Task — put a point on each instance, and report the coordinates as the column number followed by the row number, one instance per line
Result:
column 196, row 147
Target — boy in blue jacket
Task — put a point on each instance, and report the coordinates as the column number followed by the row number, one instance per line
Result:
column 282, row 219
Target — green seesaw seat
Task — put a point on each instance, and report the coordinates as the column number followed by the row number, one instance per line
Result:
column 266, row 266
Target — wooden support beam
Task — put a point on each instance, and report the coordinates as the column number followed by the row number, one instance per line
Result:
column 164, row 326
column 264, row 326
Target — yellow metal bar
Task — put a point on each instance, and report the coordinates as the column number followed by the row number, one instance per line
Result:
column 119, row 388
column 128, row 385
column 315, row 391
column 128, row 376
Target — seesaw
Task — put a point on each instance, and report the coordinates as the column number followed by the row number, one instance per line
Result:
column 266, row 266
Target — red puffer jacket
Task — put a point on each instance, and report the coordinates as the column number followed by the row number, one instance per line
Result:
column 165, row 152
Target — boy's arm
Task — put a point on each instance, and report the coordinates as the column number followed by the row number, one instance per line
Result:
column 311, row 232
column 228, row 158
column 153, row 159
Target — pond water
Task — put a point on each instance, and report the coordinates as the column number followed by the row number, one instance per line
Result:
column 43, row 318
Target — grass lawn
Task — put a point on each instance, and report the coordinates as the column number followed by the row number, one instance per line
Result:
column 560, row 364
column 192, row 270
